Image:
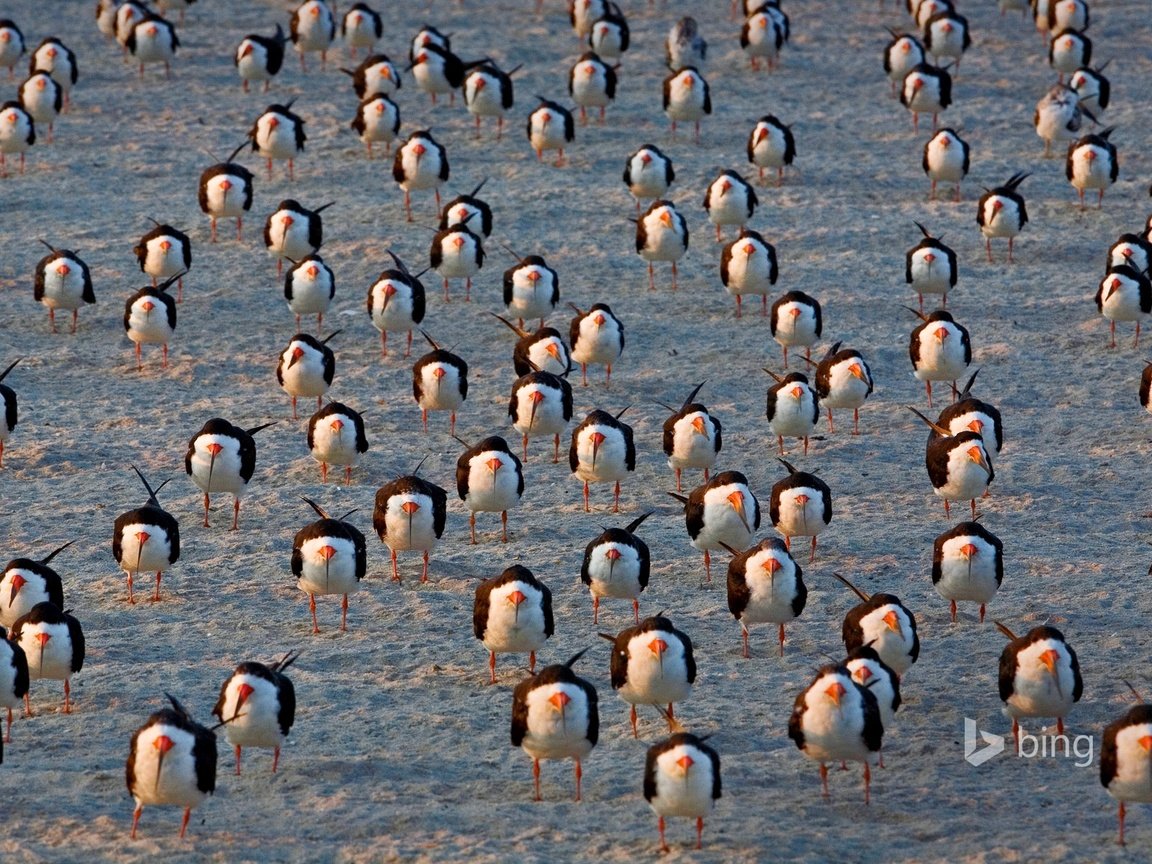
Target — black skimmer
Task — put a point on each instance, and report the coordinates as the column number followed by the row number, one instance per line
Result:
column 930, row 267
column 260, row 58
column 602, row 451
column 329, row 556
column 1092, row 163
column 591, row 84
column 661, row 235
column 17, row 133
column 457, row 253
column 12, row 46
column 313, row 28
column 1058, row 116
column 748, row 266
column 796, row 320
column 377, row 119
column 14, row 679
column 377, row 74
column 128, row 15
column 512, row 614
column 687, row 97
column 1124, row 294
column 59, row 61
column 226, row 192
column 531, row 289
column 62, row 281
column 543, row 351
column 945, row 160
column 837, row 720
column 146, row 539
column 692, row 437
column 24, row 582
column 294, row 232
column 361, row 27
column 1064, row 14
column 765, row 585
column 489, row 479
column 967, row 564
column 1068, row 51
column 684, row 46
column 903, row 54
column 426, row 37
column 877, row 677
column 729, row 200
column 257, row 707
column 306, row 368
column 583, row 13
column 648, row 174
column 1124, row 759
column 171, row 736
column 468, row 209
column 278, row 134
column 153, row 40
column 550, row 127
column 488, row 93
column 946, row 36
column 555, row 716
column 762, row 37
column 43, row 99
column 596, row 336
column 843, row 380
column 437, row 70
column 720, row 514
column 1132, row 250
column 652, row 664
column 926, row 89
column 336, row 437
column 771, row 144
column 410, row 514
column 922, row 10
column 222, row 458
column 53, row 642
column 940, row 350
column 396, row 303
column 541, row 405
column 682, row 778
column 968, row 412
column 793, row 408
column 150, row 318
column 1039, row 677
column 884, row 623
column 617, row 564
column 165, row 252
column 958, row 464
column 439, row 383
column 309, row 288
column 1093, row 88
column 800, row 506
column 610, row 36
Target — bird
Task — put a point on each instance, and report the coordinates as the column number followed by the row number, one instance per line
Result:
column 278, row 134
column 617, row 564
column 765, row 585
column 926, row 89
column 153, row 40
column 884, row 623
column 930, row 267
column 260, row 58
column 591, row 84
column 1094, row 89
column 603, row 450
column 876, row 676
column 216, row 196
column 967, row 564
column 24, row 582
column 1092, row 163
column 53, row 643
column 257, row 706
column 146, row 539
column 958, row 464
column 150, row 317
column 771, row 144
column 512, row 614
column 313, row 28
column 687, row 97
column 722, row 513
column 17, row 133
column 1124, row 759
column 542, row 351
column 729, row 200
column 376, row 74
column 762, row 37
column 222, row 458
column 309, row 288
column 128, row 15
column 1058, row 116
column 661, row 235
column 684, row 46
column 946, row 36
column 336, row 437
column 550, row 127
column 1068, row 51
column 901, row 55
column 946, row 160
column 377, row 119
column 968, row 412
column 468, row 208
column 1124, row 294
column 692, row 437
column 489, row 478
column 396, row 303
column 652, row 664
column 306, row 367
column 531, row 289
column 437, row 70
column 42, row 98
column 1068, row 13
column 329, row 556
column 1039, row 677
column 748, row 266
column 582, row 14
column 191, row 768
column 410, row 513
column 62, row 281
column 429, row 36
column 596, row 336
column 682, row 778
column 648, row 173
column 796, row 320
column 835, row 720
column 488, row 92
column 793, row 408
column 843, row 380
column 439, row 383
column 165, row 252
column 610, row 35
column 1130, row 249
column 457, row 253
column 294, row 232
column 800, row 506
column 12, row 46
column 940, row 349
column 361, row 27
column 541, row 404
column 59, row 61
column 555, row 716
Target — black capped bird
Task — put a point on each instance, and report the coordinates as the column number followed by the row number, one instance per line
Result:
column 591, row 84
column 729, row 200
column 946, row 159
column 877, row 677
column 541, row 405
column 512, row 614
column 457, row 253
column 329, row 556
column 901, row 55
column 470, row 210
column 603, row 450
column 761, row 38
column 306, row 368
column 294, row 232
column 682, row 778
column 884, row 623
column 652, row 664
column 165, row 252
column 958, row 464
column 53, row 643
column 596, row 337
column 1092, row 163
column 926, row 89
column 1126, row 759
column 260, row 58
column 1039, row 677
column 150, row 318
column 59, row 61
column 410, row 513
column 361, row 27
column 550, row 127
column 14, row 679
column 489, row 479
column 376, row 74
column 1124, row 294
column 24, row 582
column 843, row 380
column 661, row 235
column 1068, row 51
column 420, row 163
column 42, row 98
column 225, row 192
column 967, row 564
column 793, row 408
column 687, row 98
column 309, row 287
column 721, row 514
column 12, row 46
column 1093, row 88
column 153, row 40
column 796, row 321
column 17, row 134
column 946, row 36
column 377, row 119
column 429, row 36
column 968, row 412
column 221, row 457
column 1001, row 212
column 771, row 144
column 930, row 267
column 610, row 36
column 648, row 174
column 940, row 350
column 437, row 70
column 531, row 289
column 765, row 585
column 336, row 437
column 313, row 28
column 257, row 707
column 543, row 350
column 488, row 92
column 146, row 539
column 278, row 134
column 617, row 565
column 62, row 281
column 800, row 506
column 1132, row 250
column 439, row 383
column 692, row 437
column 396, row 303
column 748, row 266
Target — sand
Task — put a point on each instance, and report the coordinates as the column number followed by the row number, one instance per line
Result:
column 400, row 749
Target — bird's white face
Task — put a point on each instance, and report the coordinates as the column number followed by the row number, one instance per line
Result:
column 20, row 590
column 48, row 648
column 165, row 770
column 834, row 708
column 1133, row 781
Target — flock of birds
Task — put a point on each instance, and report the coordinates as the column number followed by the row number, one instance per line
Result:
column 850, row 706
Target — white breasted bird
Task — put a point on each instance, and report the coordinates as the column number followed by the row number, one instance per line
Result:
column 165, row 252
column 682, row 778
column 1126, row 759
column 968, row 412
column 1092, row 163
column 1093, row 88
column 946, row 36
column 541, row 405
column 221, row 457
column 146, row 539
column 1124, row 294
column 692, row 437
column 946, row 159
column 62, row 281
column 930, row 267
column 439, row 383
column 968, row 565
column 1039, row 677
column 958, row 464
column 1068, row 51
column 53, row 643
column 748, row 266
column 512, row 614
column 800, row 506
column 457, row 253
column 531, row 289
column 309, row 288
column 796, row 321
column 901, row 55
column 468, row 209
column 377, row 119
column 543, row 350
column 793, row 408
column 153, row 40
column 765, row 585
column 260, row 58
column 602, row 451
column 306, row 368
column 610, row 36
column 488, row 92
column 489, row 479
column 550, row 127
column 257, row 707
column 729, row 200
column 329, row 556
column 596, row 337
column 396, row 303
column 884, row 623
column 940, row 350
column 648, row 174
column 684, row 46
column 761, row 38
column 17, row 134
column 376, row 74
column 225, row 192
column 24, row 582
column 652, row 664
column 410, row 513
column 361, row 27
column 591, row 84
column 59, row 61
column 12, row 46
column 14, row 679
column 278, row 134
column 771, row 144
column 150, row 318
column 687, row 98
column 1058, row 117
column 617, row 564
column 336, row 437
column 43, row 98
column 294, row 232
column 722, row 513
column 313, row 28
column 661, row 235
column 926, row 89
column 843, row 380
column 420, row 163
